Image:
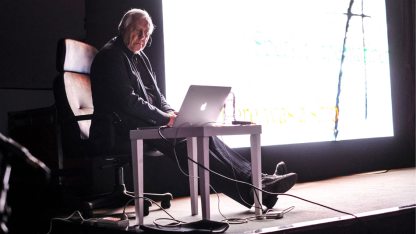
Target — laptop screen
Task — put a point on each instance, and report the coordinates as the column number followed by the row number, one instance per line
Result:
column 202, row 105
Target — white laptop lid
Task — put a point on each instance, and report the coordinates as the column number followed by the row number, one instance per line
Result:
column 202, row 105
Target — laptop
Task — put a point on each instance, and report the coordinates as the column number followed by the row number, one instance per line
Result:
column 202, row 105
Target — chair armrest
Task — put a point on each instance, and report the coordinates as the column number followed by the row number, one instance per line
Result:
column 77, row 118
column 83, row 117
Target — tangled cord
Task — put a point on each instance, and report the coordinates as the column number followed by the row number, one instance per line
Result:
column 259, row 189
column 267, row 215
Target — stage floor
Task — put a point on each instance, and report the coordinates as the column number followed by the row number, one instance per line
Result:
column 363, row 195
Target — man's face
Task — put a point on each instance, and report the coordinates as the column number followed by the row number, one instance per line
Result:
column 139, row 35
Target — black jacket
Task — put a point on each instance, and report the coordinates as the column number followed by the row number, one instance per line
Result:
column 119, row 94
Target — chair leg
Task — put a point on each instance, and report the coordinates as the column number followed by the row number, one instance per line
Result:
column 164, row 198
column 119, row 197
column 116, row 198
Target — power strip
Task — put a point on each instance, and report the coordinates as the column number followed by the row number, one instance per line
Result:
column 109, row 222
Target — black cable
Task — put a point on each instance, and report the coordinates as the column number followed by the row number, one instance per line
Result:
column 183, row 172
column 76, row 213
column 269, row 214
column 233, row 220
column 271, row 193
column 159, row 130
column 236, row 184
column 259, row 189
column 228, row 220
column 235, row 176
column 150, row 200
column 284, row 194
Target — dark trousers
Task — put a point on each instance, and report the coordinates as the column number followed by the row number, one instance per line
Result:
column 223, row 160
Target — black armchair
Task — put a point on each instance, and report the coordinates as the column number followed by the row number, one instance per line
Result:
column 73, row 100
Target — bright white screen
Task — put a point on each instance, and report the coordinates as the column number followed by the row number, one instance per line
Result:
column 283, row 60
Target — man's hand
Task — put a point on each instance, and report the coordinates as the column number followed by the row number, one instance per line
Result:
column 172, row 118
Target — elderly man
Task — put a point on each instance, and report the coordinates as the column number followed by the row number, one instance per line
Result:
column 124, row 85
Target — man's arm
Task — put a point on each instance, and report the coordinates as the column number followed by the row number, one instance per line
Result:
column 111, row 76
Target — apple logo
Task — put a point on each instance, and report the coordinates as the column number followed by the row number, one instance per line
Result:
column 203, row 107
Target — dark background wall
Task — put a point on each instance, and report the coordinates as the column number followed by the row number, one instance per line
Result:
column 29, row 31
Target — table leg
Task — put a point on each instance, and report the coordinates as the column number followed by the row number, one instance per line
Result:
column 193, row 173
column 203, row 159
column 137, row 164
column 256, row 169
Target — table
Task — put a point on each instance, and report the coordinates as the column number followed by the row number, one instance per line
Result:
column 197, row 139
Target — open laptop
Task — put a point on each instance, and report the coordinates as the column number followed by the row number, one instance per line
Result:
column 202, row 105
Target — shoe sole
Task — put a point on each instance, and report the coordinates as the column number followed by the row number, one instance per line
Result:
column 284, row 185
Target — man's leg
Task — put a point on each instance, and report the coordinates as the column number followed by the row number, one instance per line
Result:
column 224, row 162
column 229, row 163
column 229, row 167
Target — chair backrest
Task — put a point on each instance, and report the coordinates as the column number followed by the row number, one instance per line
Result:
column 73, row 96
column 74, row 56
column 74, row 60
column 73, row 101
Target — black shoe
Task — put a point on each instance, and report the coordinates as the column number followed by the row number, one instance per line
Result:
column 281, row 169
column 276, row 184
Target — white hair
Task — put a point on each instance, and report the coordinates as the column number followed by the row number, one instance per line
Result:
column 132, row 16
